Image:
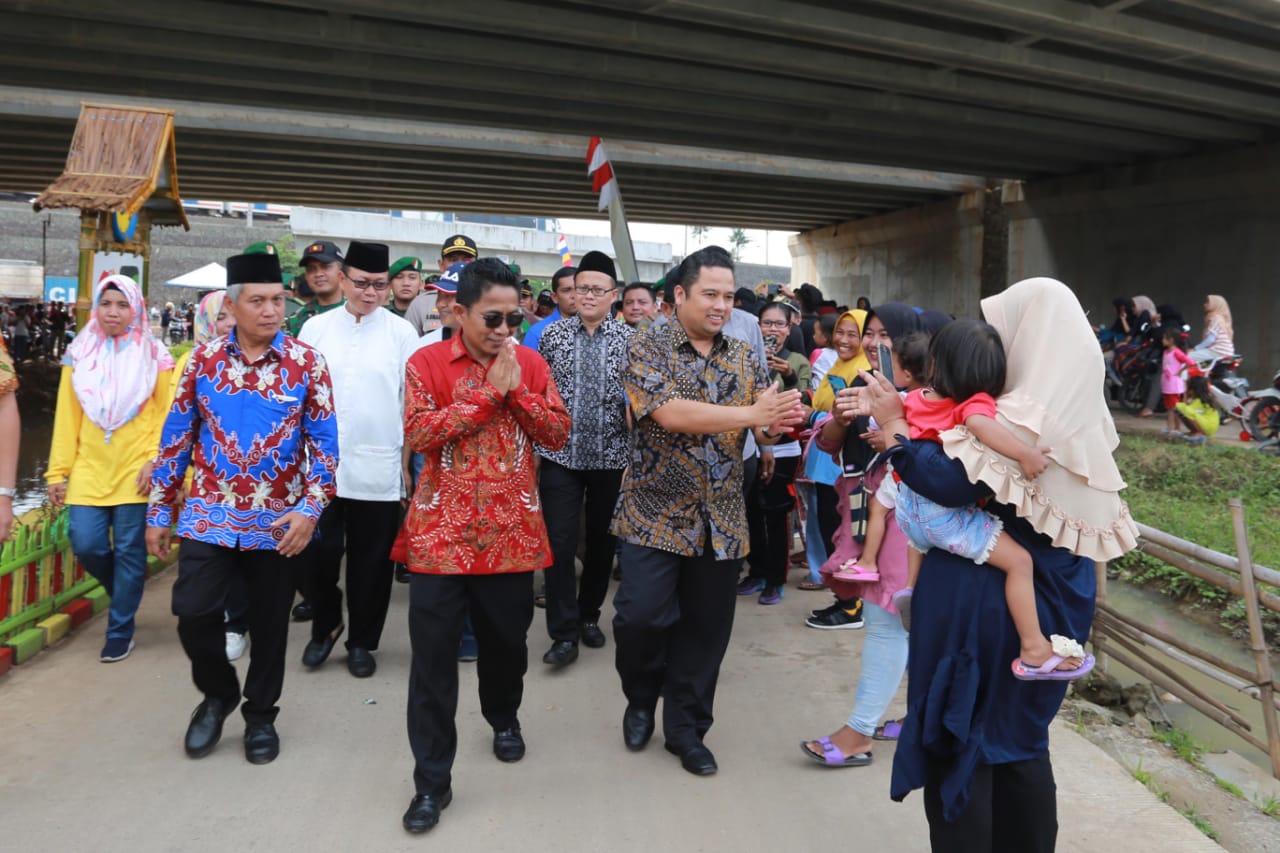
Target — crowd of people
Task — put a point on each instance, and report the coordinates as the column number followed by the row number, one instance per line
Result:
column 1183, row 371
column 37, row 329
column 956, row 479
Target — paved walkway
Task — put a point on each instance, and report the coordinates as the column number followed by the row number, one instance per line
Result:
column 91, row 756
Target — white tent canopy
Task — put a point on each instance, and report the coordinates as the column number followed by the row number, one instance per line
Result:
column 208, row 277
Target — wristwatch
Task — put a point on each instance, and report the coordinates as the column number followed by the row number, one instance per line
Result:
column 8, row 493
column 765, row 432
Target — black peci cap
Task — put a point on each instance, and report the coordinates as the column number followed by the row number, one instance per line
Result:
column 370, row 257
column 257, row 268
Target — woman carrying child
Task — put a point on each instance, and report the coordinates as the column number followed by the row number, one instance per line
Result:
column 975, row 736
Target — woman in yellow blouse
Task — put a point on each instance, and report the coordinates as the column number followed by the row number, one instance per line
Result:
column 112, row 402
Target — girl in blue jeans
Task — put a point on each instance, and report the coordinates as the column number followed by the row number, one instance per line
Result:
column 112, row 400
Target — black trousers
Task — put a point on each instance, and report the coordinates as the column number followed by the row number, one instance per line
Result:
column 501, row 611
column 671, row 628
column 205, row 575
column 563, row 490
column 1013, row 808
column 365, row 532
column 770, row 556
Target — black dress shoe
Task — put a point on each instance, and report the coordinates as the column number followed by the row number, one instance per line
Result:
column 317, row 651
column 592, row 636
column 261, row 743
column 697, row 759
column 562, row 652
column 360, row 662
column 637, row 727
column 424, row 811
column 508, row 744
column 205, row 729
column 402, row 573
column 302, row 611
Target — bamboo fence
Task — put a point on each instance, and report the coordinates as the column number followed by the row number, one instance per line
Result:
column 1148, row 651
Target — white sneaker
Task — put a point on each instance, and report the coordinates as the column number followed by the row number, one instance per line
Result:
column 235, row 645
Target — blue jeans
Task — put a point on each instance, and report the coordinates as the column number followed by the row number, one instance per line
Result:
column 111, row 543
column 884, row 662
column 815, row 548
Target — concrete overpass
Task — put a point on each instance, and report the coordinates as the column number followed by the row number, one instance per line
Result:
column 823, row 116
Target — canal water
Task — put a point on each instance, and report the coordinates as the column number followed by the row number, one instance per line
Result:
column 1150, row 607
column 33, row 451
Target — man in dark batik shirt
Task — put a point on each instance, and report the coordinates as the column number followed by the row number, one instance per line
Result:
column 587, row 354
column 693, row 393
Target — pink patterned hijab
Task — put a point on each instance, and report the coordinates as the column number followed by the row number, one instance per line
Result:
column 114, row 377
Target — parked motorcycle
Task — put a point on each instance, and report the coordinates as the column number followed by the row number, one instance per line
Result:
column 1229, row 390
column 1136, row 365
column 1263, row 412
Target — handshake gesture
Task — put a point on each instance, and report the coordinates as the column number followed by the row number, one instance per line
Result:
column 504, row 370
column 778, row 411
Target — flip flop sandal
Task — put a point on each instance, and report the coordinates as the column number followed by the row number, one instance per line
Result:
column 1048, row 670
column 855, row 573
column 810, row 585
column 890, row 730
column 833, row 757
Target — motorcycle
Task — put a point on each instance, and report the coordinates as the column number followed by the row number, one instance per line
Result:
column 1263, row 413
column 1135, row 366
column 1230, row 391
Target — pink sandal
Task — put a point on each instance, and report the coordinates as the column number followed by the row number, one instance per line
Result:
column 851, row 571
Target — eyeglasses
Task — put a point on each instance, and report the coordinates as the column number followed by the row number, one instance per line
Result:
column 595, row 292
column 493, row 321
column 774, row 324
column 365, row 283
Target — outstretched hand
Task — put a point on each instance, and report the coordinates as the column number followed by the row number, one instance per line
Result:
column 777, row 410
column 878, row 398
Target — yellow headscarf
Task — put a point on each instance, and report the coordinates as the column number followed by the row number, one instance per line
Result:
column 846, row 370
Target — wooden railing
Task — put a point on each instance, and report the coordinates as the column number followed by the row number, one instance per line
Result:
column 1148, row 651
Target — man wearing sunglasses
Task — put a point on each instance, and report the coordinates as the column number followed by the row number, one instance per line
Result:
column 367, row 349
column 474, row 407
column 587, row 354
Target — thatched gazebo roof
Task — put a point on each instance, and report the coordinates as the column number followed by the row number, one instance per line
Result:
column 122, row 159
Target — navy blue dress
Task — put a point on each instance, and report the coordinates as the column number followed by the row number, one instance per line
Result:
column 964, row 707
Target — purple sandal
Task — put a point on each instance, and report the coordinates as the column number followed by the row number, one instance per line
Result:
column 833, row 757
column 1048, row 670
column 889, row 730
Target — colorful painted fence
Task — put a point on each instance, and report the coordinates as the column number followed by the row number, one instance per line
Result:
column 44, row 592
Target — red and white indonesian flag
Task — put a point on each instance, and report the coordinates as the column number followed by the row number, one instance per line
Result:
column 604, row 182
column 602, row 179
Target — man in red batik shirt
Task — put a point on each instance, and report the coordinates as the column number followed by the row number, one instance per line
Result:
column 474, row 406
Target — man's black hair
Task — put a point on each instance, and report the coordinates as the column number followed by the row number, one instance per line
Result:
column 482, row 275
column 913, row 354
column 691, row 267
column 559, row 274
column 810, row 298
column 669, row 285
column 966, row 358
column 647, row 287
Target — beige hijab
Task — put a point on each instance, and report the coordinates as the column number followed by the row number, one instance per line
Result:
column 1053, row 397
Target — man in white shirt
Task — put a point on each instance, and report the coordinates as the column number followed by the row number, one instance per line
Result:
column 367, row 350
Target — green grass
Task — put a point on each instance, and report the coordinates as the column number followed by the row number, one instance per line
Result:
column 1181, row 742
column 1228, row 787
column 1143, row 776
column 1199, row 821
column 1269, row 806
column 1184, row 491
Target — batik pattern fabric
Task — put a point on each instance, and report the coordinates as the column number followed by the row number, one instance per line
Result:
column 8, row 376
column 260, row 436
column 588, row 369
column 475, row 509
column 678, row 486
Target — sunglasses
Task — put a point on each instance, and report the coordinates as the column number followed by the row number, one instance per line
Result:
column 493, row 321
column 364, row 283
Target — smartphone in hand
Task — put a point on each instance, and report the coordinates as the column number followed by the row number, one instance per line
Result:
column 884, row 361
